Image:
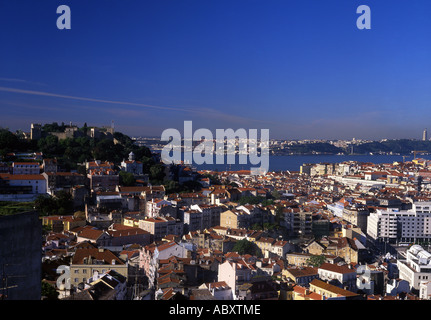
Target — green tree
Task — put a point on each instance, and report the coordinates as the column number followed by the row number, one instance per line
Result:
column 48, row 291
column 50, row 146
column 172, row 186
column 157, row 173
column 250, row 200
column 8, row 140
column 316, row 260
column 267, row 202
column 61, row 203
column 269, row 226
column 276, row 194
column 127, row 178
column 246, row 247
column 147, row 163
column 64, row 202
column 256, row 226
column 45, row 205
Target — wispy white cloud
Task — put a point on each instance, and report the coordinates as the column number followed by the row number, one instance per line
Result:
column 202, row 112
column 12, row 80
column 21, row 81
column 55, row 95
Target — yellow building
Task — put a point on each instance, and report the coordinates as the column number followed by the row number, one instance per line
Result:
column 62, row 223
column 131, row 222
column 234, row 219
column 89, row 260
column 330, row 291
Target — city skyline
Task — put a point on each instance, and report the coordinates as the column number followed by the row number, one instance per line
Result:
column 299, row 68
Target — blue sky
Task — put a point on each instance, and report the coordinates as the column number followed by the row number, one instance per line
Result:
column 300, row 68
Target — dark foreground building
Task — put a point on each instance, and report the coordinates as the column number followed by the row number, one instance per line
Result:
column 20, row 256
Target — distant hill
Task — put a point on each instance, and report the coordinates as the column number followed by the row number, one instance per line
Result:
column 402, row 146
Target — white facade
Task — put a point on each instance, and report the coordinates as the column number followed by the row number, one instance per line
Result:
column 25, row 168
column 28, row 186
column 132, row 166
column 416, row 268
column 193, row 220
column 345, row 276
column 401, row 225
column 153, row 207
column 425, row 290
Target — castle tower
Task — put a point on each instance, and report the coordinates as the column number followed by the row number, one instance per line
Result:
column 35, row 131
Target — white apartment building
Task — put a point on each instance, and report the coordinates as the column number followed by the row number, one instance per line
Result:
column 416, row 268
column 26, row 168
column 342, row 276
column 394, row 225
column 425, row 290
column 153, row 207
column 21, row 187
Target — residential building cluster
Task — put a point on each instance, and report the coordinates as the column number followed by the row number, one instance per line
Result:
column 331, row 231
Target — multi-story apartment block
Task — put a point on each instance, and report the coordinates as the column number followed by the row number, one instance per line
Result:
column 340, row 275
column 235, row 219
column 150, row 256
column 154, row 206
column 50, row 165
column 395, row 225
column 88, row 261
column 357, row 215
column 416, row 268
column 160, row 227
column 211, row 214
column 63, row 180
column 234, row 273
column 22, row 187
column 297, row 222
column 25, row 168
column 192, row 220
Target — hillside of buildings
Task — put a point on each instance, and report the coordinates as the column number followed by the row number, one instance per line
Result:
column 114, row 228
column 328, row 147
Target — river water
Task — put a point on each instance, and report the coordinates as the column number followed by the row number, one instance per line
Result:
column 294, row 162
